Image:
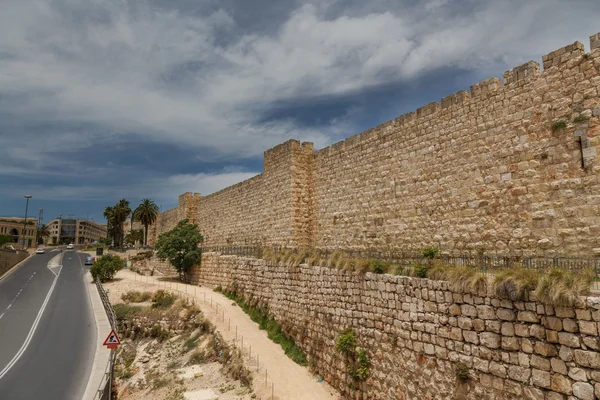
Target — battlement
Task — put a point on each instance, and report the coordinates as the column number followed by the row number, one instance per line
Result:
column 562, row 55
column 521, row 74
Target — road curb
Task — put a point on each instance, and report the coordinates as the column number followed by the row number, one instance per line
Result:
column 102, row 355
column 14, row 268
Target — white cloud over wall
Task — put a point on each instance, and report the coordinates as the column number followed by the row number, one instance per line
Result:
column 167, row 75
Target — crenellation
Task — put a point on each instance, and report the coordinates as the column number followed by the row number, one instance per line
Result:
column 562, row 55
column 492, row 171
column 521, row 74
column 428, row 110
column 486, row 88
column 368, row 135
column 406, row 118
column 459, row 97
column 595, row 41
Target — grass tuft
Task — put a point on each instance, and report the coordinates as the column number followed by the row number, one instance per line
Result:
column 135, row 296
column 561, row 287
column 559, row 125
column 514, row 283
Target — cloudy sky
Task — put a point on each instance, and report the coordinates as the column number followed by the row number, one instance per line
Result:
column 104, row 99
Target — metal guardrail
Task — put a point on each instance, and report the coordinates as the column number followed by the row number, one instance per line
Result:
column 104, row 391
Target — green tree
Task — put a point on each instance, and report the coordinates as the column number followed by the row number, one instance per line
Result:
column 180, row 247
column 5, row 239
column 43, row 232
column 136, row 235
column 146, row 213
column 106, row 267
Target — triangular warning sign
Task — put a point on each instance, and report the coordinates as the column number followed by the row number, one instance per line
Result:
column 112, row 341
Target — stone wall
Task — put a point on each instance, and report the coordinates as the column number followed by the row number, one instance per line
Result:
column 508, row 167
column 417, row 330
column 9, row 259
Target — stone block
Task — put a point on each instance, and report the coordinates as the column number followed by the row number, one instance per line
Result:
column 568, row 339
column 519, row 374
column 471, row 337
column 552, row 323
column 577, row 374
column 505, row 314
column 510, row 343
column 531, row 393
column 540, row 363
column 527, row 316
column 540, row 378
column 490, row 340
column 486, row 312
column 558, row 366
column 537, row 331
column 588, row 327
column 508, row 329
column 593, row 342
column 564, row 312
column 545, row 349
column 497, row 369
column 468, row 310
column 583, row 391
column 589, row 359
column 522, row 330
column 566, row 354
column 561, row 384
column 570, row 325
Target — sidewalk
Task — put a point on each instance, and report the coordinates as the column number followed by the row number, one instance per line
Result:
column 274, row 372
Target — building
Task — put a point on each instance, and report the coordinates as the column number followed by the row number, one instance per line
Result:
column 13, row 226
column 76, row 231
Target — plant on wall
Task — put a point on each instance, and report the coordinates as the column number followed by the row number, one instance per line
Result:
column 357, row 360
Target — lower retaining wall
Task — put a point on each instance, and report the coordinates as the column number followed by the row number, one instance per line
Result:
column 9, row 259
column 417, row 330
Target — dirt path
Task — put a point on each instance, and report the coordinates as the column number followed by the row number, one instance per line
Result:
column 274, row 372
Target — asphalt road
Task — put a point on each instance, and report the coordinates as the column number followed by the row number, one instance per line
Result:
column 58, row 357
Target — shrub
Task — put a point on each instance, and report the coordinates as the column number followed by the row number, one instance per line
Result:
column 561, row 287
column 346, row 342
column 421, row 271
column 559, row 125
column 190, row 343
column 162, row 299
column 380, row 267
column 430, row 252
column 126, row 311
column 106, row 267
column 135, row 296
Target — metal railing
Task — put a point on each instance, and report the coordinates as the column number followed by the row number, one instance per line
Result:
column 104, row 391
column 485, row 263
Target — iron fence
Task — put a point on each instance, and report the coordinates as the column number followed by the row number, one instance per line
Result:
column 105, row 389
column 485, row 263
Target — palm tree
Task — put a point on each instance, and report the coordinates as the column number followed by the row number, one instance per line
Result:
column 146, row 213
column 121, row 211
column 43, row 232
column 109, row 214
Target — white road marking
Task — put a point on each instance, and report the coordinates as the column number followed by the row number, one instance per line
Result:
column 33, row 327
column 1, row 315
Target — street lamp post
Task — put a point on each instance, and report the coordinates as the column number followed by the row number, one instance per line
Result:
column 27, row 196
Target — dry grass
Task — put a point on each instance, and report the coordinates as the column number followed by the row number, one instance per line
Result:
column 463, row 278
column 563, row 287
column 515, row 283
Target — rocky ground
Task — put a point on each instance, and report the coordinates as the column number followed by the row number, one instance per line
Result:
column 169, row 351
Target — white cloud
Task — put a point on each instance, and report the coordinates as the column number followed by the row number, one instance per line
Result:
column 130, row 67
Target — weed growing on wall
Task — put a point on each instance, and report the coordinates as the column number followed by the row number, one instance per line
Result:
column 559, row 125
column 580, row 118
column 461, row 371
column 357, row 360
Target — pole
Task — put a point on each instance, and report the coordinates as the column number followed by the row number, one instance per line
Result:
column 25, row 222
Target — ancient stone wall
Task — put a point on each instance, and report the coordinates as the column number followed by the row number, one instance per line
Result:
column 416, row 331
column 483, row 170
column 508, row 168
